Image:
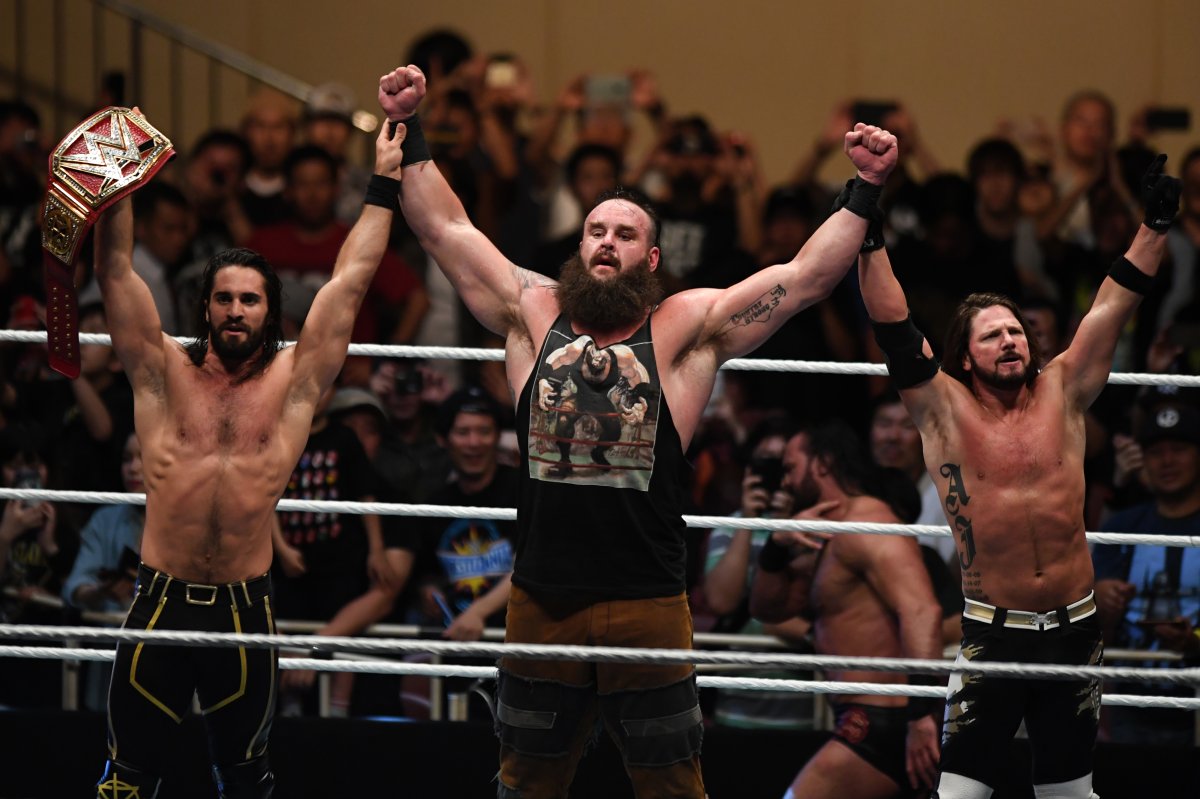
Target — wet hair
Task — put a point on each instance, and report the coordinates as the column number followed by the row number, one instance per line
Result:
column 639, row 199
column 836, row 446
column 272, row 341
column 303, row 155
column 958, row 336
column 995, row 153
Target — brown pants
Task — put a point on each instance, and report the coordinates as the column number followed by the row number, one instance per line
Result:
column 664, row 622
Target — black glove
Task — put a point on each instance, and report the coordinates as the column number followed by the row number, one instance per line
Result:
column 874, row 216
column 1160, row 196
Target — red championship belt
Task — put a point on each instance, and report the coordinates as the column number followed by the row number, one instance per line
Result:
column 106, row 157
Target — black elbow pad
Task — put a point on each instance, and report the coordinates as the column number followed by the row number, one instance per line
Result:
column 906, row 361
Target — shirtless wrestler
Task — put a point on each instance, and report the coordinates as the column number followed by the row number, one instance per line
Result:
column 222, row 421
column 867, row 595
column 1003, row 438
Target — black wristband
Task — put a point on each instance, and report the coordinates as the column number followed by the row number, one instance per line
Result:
column 415, row 149
column 866, row 201
column 773, row 557
column 1129, row 276
column 863, row 198
column 384, row 192
column 921, row 706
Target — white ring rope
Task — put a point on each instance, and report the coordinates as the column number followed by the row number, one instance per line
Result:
column 606, row 654
column 510, row 514
column 736, row 364
column 489, row 673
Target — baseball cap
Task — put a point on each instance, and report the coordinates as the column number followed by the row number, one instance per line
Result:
column 330, row 101
column 352, row 398
column 1171, row 423
column 470, row 399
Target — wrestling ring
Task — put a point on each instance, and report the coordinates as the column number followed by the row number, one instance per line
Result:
column 370, row 654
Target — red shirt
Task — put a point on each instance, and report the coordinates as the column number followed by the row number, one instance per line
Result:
column 312, row 261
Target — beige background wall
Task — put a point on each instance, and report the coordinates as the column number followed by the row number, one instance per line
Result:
column 772, row 69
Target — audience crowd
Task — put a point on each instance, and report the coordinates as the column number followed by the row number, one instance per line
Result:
column 1038, row 216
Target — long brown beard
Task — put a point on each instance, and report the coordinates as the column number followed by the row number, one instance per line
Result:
column 607, row 304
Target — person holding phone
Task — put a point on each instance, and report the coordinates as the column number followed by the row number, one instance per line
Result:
column 867, row 596
column 731, row 564
column 1148, row 597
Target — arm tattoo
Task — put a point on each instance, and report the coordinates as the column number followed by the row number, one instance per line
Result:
column 758, row 311
column 956, row 503
column 528, row 279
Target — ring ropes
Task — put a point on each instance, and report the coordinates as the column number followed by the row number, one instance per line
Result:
column 1185, row 676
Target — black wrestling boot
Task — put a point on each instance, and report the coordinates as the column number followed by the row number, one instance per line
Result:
column 250, row 780
column 121, row 780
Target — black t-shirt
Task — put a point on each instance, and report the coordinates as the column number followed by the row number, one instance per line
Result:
column 465, row 558
column 333, row 466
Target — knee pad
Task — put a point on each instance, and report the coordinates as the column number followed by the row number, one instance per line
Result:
column 956, row 786
column 658, row 726
column 538, row 717
column 1080, row 788
column 250, row 780
column 121, row 780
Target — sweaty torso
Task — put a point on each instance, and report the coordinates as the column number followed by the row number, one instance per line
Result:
column 850, row 618
column 1012, row 489
column 216, row 457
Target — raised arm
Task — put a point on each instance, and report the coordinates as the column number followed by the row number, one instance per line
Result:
column 1087, row 361
column 909, row 357
column 738, row 319
column 321, row 349
column 487, row 282
column 133, row 321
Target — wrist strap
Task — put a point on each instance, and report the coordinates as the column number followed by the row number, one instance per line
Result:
column 1127, row 275
column 921, row 706
column 416, row 149
column 384, row 192
column 773, row 557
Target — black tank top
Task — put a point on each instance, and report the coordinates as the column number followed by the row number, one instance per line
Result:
column 603, row 484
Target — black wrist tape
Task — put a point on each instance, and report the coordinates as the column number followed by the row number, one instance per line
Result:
column 773, row 557
column 863, row 199
column 1129, row 276
column 384, row 192
column 874, row 239
column 415, row 149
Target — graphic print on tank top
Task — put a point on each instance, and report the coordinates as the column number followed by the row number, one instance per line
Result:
column 594, row 411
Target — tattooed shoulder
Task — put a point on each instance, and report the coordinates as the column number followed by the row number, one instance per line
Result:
column 528, row 279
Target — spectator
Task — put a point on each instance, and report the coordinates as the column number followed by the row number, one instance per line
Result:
column 105, row 570
column 591, row 170
column 333, row 567
column 306, row 245
column 162, row 225
column 1183, row 244
column 22, row 183
column 465, row 566
column 732, row 561
column 328, row 124
column 87, row 419
column 410, row 462
column 36, row 551
column 1148, row 597
column 269, row 126
column 870, row 596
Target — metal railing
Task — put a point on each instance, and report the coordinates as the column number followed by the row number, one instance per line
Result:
column 221, row 61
